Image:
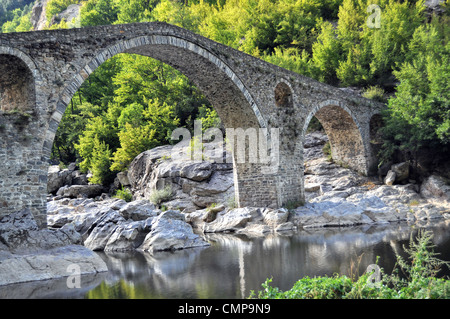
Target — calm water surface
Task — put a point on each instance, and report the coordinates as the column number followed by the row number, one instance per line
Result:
column 234, row 265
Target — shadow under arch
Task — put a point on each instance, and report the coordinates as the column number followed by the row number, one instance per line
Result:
column 18, row 81
column 344, row 134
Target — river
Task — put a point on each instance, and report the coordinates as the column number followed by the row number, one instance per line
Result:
column 234, row 265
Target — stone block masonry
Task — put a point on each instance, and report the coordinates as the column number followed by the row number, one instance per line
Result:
column 42, row 70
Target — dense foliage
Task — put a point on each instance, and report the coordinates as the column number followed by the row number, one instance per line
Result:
column 8, row 8
column 403, row 61
column 418, row 280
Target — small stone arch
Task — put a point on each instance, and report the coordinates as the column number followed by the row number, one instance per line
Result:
column 18, row 81
column 344, row 133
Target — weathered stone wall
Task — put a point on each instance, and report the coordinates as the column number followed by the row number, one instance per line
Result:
column 247, row 92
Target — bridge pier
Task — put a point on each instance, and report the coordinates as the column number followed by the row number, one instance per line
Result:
column 23, row 172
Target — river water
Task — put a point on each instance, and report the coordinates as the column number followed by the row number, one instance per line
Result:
column 234, row 265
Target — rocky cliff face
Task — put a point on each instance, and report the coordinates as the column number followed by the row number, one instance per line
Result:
column 39, row 18
column 41, row 254
column 194, row 185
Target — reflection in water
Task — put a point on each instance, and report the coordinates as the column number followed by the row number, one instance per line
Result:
column 234, row 265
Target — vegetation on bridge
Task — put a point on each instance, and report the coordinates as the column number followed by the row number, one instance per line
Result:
column 405, row 62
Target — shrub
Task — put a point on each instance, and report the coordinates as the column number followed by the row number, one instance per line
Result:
column 326, row 149
column 374, row 93
column 124, row 194
column 161, row 195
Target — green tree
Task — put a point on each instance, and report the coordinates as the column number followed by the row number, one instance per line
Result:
column 100, row 163
column 98, row 131
column 20, row 22
column 151, row 128
column 399, row 20
column 99, row 12
column 326, row 54
column 291, row 59
column 419, row 114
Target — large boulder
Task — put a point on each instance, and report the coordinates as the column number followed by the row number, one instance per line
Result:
column 401, row 171
column 50, row 264
column 390, row 178
column 128, row 236
column 84, row 191
column 102, row 229
column 20, row 233
column 436, row 188
column 57, row 178
column 138, row 210
column 28, row 253
column 231, row 221
column 194, row 184
column 123, row 178
column 169, row 231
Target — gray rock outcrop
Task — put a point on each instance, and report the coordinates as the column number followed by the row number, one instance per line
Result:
column 169, row 231
column 28, row 253
column 115, row 225
column 38, row 18
column 436, row 189
column 194, row 184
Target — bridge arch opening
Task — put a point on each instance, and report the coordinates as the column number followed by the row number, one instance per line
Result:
column 210, row 74
column 344, row 135
column 17, row 87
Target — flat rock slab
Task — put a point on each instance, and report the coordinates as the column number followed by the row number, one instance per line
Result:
column 50, row 264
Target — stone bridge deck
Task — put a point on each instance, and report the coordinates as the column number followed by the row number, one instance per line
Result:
column 40, row 72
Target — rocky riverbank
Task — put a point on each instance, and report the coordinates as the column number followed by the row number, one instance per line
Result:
column 28, row 253
column 83, row 218
column 201, row 202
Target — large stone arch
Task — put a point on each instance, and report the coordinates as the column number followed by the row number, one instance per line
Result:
column 217, row 80
column 344, row 133
column 157, row 46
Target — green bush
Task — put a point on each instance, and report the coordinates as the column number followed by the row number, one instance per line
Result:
column 374, row 93
column 326, row 149
column 124, row 194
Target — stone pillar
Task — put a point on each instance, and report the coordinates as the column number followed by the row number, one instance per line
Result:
column 23, row 173
column 266, row 176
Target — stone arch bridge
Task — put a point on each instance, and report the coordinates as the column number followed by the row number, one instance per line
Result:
column 40, row 72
